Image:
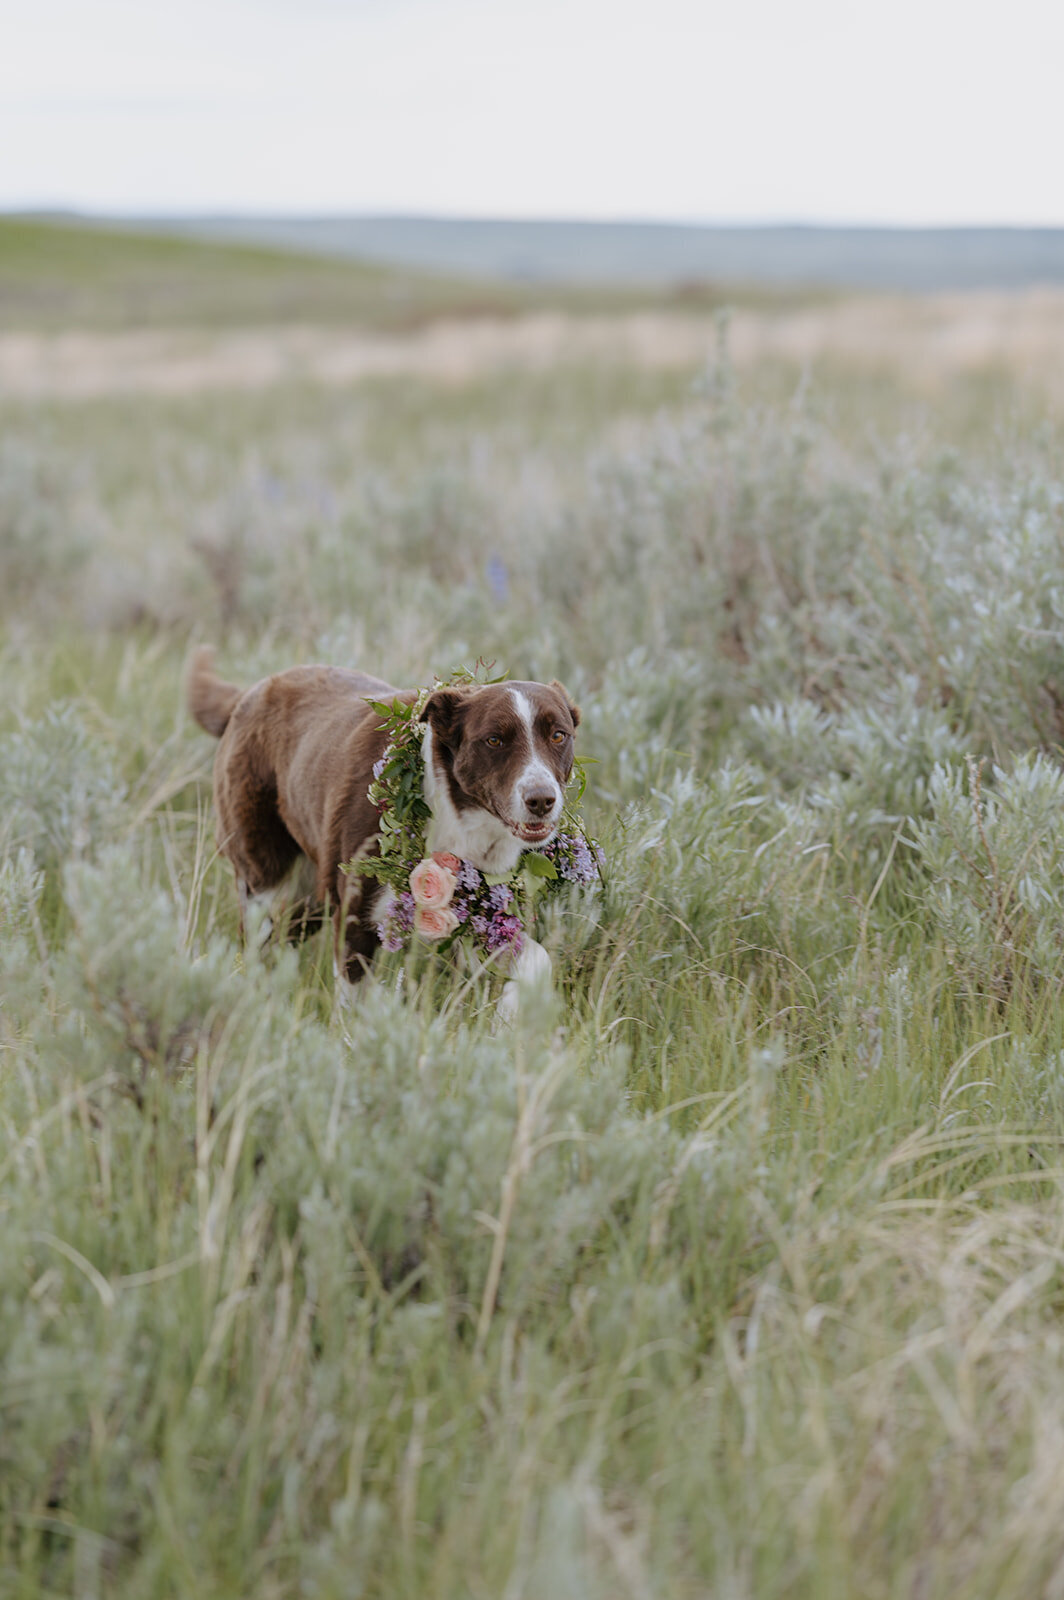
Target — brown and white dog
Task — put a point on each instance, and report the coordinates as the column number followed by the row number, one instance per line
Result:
column 296, row 760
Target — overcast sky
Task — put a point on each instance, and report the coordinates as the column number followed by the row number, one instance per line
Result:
column 921, row 111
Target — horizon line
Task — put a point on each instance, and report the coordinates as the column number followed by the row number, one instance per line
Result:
column 60, row 210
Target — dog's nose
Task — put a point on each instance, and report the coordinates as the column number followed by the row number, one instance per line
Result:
column 538, row 801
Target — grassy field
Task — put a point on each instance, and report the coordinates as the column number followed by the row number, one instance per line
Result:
column 737, row 1269
column 55, row 276
column 58, row 275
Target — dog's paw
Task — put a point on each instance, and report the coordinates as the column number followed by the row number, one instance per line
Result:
column 531, row 969
column 507, row 1007
column 343, row 989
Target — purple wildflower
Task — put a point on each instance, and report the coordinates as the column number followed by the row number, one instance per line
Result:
column 397, row 921
column 576, row 860
column 498, row 578
column 379, row 766
column 503, row 931
column 582, row 866
column 500, row 897
column 468, row 877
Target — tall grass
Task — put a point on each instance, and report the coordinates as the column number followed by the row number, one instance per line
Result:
column 736, row 1268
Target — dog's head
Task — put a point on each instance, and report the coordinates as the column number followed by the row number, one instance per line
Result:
column 507, row 748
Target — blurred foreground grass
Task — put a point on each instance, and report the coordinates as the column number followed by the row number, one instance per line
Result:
column 738, row 1268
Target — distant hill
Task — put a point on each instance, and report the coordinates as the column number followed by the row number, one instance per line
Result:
column 59, row 272
column 396, row 274
column 661, row 254
column 66, row 271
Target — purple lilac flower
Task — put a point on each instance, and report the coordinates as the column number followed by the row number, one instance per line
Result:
column 460, row 908
column 379, row 766
column 468, row 877
column 582, row 866
column 575, row 859
column 503, row 931
column 500, row 897
column 397, row 921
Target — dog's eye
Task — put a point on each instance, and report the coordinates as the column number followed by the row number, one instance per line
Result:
column 493, row 740
column 559, row 736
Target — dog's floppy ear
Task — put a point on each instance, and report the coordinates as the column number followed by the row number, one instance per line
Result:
column 574, row 710
column 443, row 712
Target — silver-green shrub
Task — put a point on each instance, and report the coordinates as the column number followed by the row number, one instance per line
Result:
column 722, row 866
column 60, row 790
column 45, row 527
column 866, row 768
column 993, row 854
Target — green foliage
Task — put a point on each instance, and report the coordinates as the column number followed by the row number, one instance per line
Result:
column 994, row 857
column 44, row 527
column 734, row 1268
column 59, row 790
column 398, row 792
column 55, row 274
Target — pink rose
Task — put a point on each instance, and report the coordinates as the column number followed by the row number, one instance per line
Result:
column 444, row 858
column 432, row 885
column 433, row 922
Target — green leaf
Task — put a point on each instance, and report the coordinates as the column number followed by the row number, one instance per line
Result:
column 579, row 778
column 540, row 867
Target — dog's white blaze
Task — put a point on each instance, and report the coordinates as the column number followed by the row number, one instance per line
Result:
column 535, row 772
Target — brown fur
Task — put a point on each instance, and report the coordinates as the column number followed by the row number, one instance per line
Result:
column 210, row 700
column 295, row 760
column 461, row 719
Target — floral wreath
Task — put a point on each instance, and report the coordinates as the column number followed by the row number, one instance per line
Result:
column 438, row 897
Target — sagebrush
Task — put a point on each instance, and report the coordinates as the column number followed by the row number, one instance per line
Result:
column 736, row 1268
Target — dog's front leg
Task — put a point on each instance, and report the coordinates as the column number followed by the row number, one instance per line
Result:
column 354, row 947
column 256, row 914
column 532, row 967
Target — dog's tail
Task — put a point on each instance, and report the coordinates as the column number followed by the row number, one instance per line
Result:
column 210, row 699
